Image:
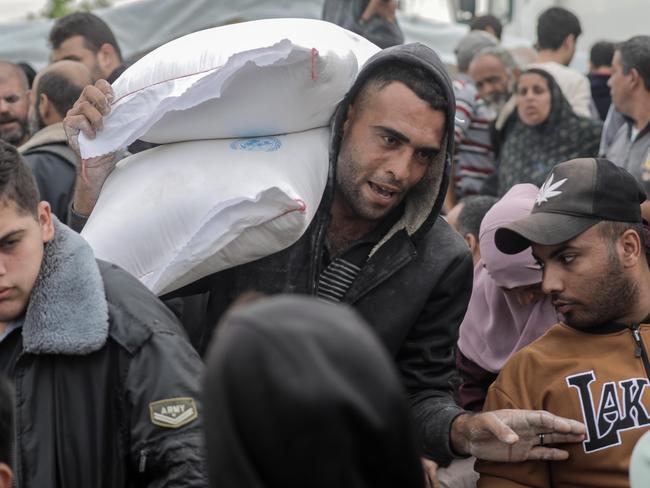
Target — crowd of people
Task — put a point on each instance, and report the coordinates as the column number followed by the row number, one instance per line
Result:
column 470, row 306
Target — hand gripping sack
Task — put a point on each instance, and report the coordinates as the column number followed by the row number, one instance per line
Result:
column 264, row 77
column 176, row 213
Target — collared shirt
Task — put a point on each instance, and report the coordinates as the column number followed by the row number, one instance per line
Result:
column 339, row 273
column 632, row 152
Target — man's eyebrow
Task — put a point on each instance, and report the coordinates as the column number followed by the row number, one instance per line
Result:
column 402, row 138
column 11, row 233
column 392, row 132
column 71, row 57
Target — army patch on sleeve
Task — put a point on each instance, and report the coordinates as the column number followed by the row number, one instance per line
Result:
column 173, row 413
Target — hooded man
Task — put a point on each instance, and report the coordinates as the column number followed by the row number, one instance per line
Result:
column 377, row 241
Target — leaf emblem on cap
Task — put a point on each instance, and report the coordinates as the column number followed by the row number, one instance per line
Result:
column 549, row 190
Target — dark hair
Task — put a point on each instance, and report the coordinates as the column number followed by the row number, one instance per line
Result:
column 483, row 21
column 6, row 420
column 611, row 230
column 420, row 81
column 93, row 29
column 553, row 27
column 601, row 54
column 635, row 54
column 17, row 183
column 59, row 90
column 471, row 214
column 29, row 71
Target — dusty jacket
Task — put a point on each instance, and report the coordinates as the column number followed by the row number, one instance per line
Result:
column 97, row 351
column 598, row 379
column 414, row 287
column 53, row 164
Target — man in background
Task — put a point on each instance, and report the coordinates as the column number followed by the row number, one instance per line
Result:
column 86, row 38
column 600, row 69
column 52, row 162
column 558, row 30
column 630, row 89
column 14, row 104
column 474, row 158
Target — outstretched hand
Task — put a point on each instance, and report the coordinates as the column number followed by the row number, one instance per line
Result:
column 514, row 435
column 383, row 8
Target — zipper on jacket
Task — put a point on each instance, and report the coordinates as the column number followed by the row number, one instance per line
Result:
column 143, row 461
column 640, row 351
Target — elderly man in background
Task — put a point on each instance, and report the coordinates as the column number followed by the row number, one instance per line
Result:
column 474, row 158
column 14, row 103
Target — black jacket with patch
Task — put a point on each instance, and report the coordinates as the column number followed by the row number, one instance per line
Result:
column 97, row 351
column 413, row 289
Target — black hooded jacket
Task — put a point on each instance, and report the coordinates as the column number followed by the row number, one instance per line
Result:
column 301, row 394
column 413, row 289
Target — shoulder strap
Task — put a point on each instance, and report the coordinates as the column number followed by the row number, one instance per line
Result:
column 61, row 150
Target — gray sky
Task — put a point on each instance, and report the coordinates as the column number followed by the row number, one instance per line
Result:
column 11, row 10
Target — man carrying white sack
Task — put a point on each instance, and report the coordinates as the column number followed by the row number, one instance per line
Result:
column 378, row 243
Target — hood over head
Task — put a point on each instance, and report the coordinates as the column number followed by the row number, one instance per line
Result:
column 300, row 393
column 424, row 201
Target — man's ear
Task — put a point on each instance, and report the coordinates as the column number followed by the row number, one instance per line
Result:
column 6, row 476
column 45, row 221
column 348, row 119
column 471, row 241
column 630, row 248
column 49, row 114
column 107, row 59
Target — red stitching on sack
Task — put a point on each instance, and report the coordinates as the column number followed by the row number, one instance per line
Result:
column 314, row 55
column 165, row 81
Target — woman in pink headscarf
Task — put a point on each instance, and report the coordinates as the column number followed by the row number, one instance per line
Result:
column 507, row 310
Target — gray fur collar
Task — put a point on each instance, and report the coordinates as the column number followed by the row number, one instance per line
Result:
column 67, row 311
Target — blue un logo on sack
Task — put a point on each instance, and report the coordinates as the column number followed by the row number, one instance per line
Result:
column 257, row 144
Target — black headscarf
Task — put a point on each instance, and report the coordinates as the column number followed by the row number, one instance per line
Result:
column 300, row 394
column 529, row 153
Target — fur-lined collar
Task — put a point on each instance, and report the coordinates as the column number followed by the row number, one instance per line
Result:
column 67, row 311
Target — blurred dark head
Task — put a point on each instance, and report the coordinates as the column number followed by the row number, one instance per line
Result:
column 299, row 393
column 554, row 25
column 488, row 23
column 601, row 54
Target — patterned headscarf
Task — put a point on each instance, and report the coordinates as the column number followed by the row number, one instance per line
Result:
column 529, row 152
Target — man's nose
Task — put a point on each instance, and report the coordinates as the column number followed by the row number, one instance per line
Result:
column 400, row 164
column 551, row 282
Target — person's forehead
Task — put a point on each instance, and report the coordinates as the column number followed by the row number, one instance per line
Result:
column 11, row 217
column 10, row 84
column 589, row 239
column 487, row 62
column 532, row 79
column 73, row 46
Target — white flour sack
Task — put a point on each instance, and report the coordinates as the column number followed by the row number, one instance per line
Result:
column 264, row 77
column 176, row 213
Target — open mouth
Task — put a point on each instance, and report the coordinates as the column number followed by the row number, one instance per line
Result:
column 382, row 191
